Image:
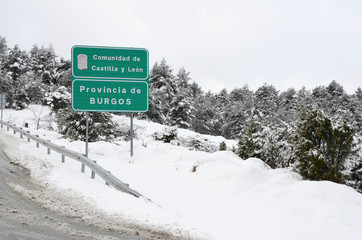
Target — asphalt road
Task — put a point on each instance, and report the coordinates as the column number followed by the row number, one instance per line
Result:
column 21, row 219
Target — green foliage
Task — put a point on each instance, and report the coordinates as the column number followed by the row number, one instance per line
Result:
column 59, row 99
column 198, row 143
column 21, row 99
column 354, row 179
column 248, row 146
column 168, row 135
column 72, row 125
column 222, row 146
column 322, row 147
column 270, row 144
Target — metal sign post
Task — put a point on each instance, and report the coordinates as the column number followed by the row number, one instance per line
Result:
column 86, row 138
column 86, row 133
column 131, row 134
column 2, row 104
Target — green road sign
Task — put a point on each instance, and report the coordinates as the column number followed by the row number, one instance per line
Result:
column 110, row 63
column 109, row 79
column 89, row 95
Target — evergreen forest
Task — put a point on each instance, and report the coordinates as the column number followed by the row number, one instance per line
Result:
column 316, row 132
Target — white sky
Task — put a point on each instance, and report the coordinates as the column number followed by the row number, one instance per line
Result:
column 226, row 43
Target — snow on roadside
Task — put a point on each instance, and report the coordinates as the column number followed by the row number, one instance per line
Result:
column 90, row 200
column 198, row 194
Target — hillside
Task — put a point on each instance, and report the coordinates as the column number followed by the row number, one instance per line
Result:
column 191, row 194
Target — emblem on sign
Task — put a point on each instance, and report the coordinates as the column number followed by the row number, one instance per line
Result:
column 82, row 62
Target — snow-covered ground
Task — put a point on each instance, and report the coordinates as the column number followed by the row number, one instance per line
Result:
column 194, row 194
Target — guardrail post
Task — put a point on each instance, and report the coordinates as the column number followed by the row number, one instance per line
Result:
column 21, row 134
column 48, row 149
column 28, row 137
column 93, row 174
column 14, row 131
column 37, row 143
column 63, row 157
column 107, row 183
column 82, row 168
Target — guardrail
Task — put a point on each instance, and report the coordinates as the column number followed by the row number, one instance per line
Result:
column 96, row 169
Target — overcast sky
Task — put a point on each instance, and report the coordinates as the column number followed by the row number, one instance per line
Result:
column 223, row 44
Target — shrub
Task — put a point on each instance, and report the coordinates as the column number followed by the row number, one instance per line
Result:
column 322, row 146
column 222, row 146
column 168, row 135
column 73, row 125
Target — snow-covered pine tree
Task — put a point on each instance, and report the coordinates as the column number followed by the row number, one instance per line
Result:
column 338, row 100
column 276, row 149
column 58, row 100
column 15, row 63
column 238, row 112
column 243, row 94
column 288, row 106
column 204, row 119
column 44, row 64
column 72, row 125
column 3, row 48
column 162, row 92
column 236, row 117
column 182, row 110
column 21, row 99
column 4, row 85
column 13, row 66
column 323, row 145
column 266, row 101
column 304, row 97
column 249, row 144
column 63, row 73
column 181, row 113
column 356, row 109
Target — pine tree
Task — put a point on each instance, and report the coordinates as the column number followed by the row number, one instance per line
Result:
column 72, row 125
column 4, row 80
column 238, row 112
column 181, row 113
column 13, row 66
column 162, row 92
column 63, row 73
column 44, row 64
column 275, row 146
column 356, row 109
column 207, row 117
column 236, row 117
column 241, row 94
column 249, row 145
column 289, row 106
column 58, row 100
column 322, row 146
column 182, row 110
column 267, row 101
column 21, row 99
column 3, row 49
